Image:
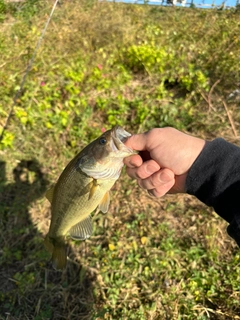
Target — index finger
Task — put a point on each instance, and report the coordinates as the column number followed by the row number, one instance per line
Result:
column 133, row 161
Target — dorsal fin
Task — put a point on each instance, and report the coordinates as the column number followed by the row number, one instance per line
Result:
column 82, row 230
column 104, row 204
column 49, row 194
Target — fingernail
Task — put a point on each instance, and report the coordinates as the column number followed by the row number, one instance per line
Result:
column 151, row 194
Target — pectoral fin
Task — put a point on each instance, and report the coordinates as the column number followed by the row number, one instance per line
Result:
column 49, row 194
column 82, row 230
column 104, row 204
column 93, row 189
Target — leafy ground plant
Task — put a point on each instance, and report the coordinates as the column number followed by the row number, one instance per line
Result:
column 103, row 64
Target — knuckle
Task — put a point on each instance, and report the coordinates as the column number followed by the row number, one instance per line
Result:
column 140, row 172
column 155, row 180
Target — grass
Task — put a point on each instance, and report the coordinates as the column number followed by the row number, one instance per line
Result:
column 103, row 64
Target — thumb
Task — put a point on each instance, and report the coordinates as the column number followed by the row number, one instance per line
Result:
column 137, row 142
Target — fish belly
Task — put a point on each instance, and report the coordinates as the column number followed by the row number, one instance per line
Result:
column 72, row 204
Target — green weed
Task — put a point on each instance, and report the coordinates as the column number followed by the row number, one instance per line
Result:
column 103, row 64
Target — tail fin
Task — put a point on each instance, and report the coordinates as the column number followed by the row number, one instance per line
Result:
column 59, row 256
column 48, row 244
column 58, row 250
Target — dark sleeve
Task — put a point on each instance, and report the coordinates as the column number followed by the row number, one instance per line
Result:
column 214, row 178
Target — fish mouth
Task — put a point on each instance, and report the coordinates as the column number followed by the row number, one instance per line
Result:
column 119, row 136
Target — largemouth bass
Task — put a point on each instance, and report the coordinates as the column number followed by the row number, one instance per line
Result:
column 82, row 187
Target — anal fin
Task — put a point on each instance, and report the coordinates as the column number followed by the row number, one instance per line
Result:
column 82, row 230
column 104, row 204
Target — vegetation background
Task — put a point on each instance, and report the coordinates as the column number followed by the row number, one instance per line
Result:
column 102, row 64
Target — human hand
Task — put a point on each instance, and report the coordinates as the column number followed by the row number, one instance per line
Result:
column 165, row 157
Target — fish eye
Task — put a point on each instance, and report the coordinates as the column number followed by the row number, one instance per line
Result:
column 102, row 141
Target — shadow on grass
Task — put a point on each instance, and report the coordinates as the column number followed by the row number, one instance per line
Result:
column 29, row 287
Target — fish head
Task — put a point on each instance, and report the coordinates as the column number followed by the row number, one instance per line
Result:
column 103, row 158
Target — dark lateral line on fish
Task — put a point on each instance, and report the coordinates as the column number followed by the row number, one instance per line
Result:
column 17, row 94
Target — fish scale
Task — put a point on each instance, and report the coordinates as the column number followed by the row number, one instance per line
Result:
column 79, row 205
column 83, row 186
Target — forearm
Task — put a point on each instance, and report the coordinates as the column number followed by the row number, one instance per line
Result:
column 214, row 178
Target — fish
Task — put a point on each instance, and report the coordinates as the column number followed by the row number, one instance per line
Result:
column 83, row 186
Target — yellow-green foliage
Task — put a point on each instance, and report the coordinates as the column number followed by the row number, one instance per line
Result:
column 102, row 64
column 117, row 59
